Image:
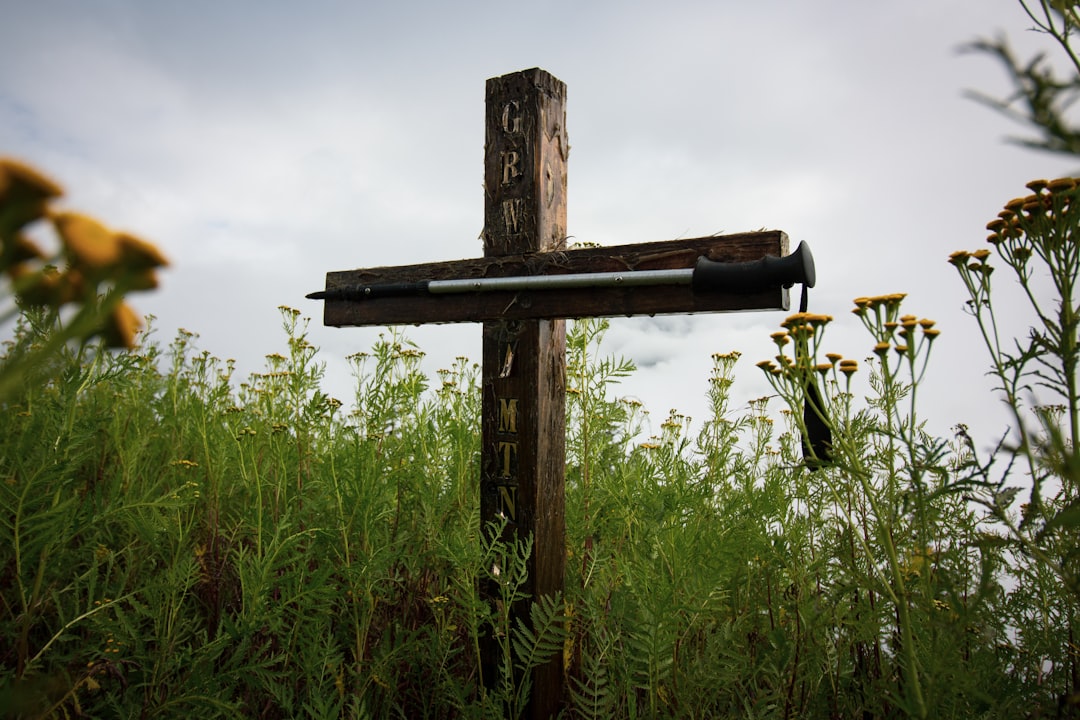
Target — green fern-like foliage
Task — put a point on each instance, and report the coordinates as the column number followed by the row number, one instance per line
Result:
column 543, row 637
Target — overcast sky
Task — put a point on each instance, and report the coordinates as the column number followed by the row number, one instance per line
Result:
column 262, row 144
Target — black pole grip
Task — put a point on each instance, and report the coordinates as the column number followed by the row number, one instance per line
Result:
column 756, row 275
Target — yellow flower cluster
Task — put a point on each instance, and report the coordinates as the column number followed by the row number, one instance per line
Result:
column 1047, row 199
column 891, row 331
column 95, row 258
column 804, row 331
column 1032, row 223
column 906, row 335
column 882, row 305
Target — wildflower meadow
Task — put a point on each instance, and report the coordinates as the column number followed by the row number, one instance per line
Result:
column 178, row 541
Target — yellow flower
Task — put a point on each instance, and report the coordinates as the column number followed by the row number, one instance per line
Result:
column 47, row 286
column 797, row 320
column 1061, row 185
column 121, row 326
column 781, row 338
column 23, row 194
column 89, row 244
column 881, row 348
column 17, row 178
column 1037, row 186
column 848, row 366
column 142, row 280
column 1034, row 205
column 959, row 258
column 138, row 254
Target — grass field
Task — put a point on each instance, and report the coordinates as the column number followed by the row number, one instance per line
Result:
column 178, row 541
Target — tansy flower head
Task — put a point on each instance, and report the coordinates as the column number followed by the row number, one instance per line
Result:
column 23, row 195
column 143, row 280
column 138, row 254
column 89, row 244
column 1061, row 185
column 24, row 192
column 848, row 366
column 1034, row 205
column 121, row 326
column 797, row 320
column 959, row 258
column 47, row 286
column 18, row 180
column 1036, row 186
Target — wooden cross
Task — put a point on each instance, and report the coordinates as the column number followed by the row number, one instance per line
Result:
column 524, row 340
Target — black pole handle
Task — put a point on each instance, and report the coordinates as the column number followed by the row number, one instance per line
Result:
column 756, row 275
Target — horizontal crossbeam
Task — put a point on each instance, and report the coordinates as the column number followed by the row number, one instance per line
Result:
column 520, row 281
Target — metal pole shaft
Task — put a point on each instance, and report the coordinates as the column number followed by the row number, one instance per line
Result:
column 637, row 278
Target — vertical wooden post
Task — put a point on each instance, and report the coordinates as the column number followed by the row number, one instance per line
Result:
column 524, row 361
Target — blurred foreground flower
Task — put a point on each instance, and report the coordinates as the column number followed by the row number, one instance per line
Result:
column 93, row 268
column 87, row 275
column 24, row 193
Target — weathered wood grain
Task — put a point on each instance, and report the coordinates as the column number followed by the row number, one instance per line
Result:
column 581, row 302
